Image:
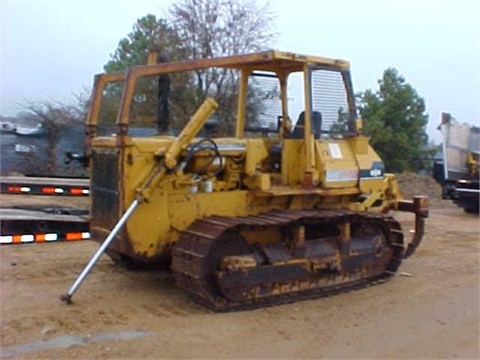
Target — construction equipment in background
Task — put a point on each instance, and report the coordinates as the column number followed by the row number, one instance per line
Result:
column 458, row 171
column 275, row 212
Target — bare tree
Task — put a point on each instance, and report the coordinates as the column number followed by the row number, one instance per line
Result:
column 54, row 117
column 212, row 28
column 223, row 27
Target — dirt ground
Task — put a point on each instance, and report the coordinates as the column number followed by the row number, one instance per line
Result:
column 429, row 310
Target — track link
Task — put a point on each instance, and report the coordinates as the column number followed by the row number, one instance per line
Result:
column 196, row 268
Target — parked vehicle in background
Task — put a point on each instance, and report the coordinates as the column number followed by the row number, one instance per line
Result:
column 458, row 171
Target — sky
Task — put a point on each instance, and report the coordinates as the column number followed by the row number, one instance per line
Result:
column 50, row 49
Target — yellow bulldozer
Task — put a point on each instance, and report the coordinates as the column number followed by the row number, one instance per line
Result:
column 291, row 205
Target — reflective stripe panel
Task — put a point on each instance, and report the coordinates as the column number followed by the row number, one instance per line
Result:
column 40, row 238
column 51, row 237
column 73, row 236
column 44, row 186
column 53, row 190
column 77, row 236
column 46, row 237
column 6, row 239
column 19, row 189
column 79, row 191
column 27, row 238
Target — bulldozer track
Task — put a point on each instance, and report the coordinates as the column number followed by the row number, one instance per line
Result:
column 191, row 262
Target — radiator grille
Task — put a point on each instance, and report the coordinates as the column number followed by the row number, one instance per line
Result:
column 105, row 188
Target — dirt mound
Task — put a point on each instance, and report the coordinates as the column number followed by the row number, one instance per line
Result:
column 412, row 184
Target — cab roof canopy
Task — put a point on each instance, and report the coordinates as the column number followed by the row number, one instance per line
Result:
column 271, row 60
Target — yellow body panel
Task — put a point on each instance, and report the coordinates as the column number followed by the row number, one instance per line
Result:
column 155, row 226
column 293, row 162
column 337, row 164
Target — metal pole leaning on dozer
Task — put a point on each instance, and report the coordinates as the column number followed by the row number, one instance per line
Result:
column 170, row 161
column 67, row 298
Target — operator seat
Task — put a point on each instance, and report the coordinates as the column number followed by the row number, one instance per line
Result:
column 298, row 131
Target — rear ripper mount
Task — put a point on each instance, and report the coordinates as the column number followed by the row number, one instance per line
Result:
column 322, row 252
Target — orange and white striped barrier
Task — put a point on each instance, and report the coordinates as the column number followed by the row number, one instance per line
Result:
column 44, row 186
column 45, row 190
column 43, row 237
column 23, row 226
